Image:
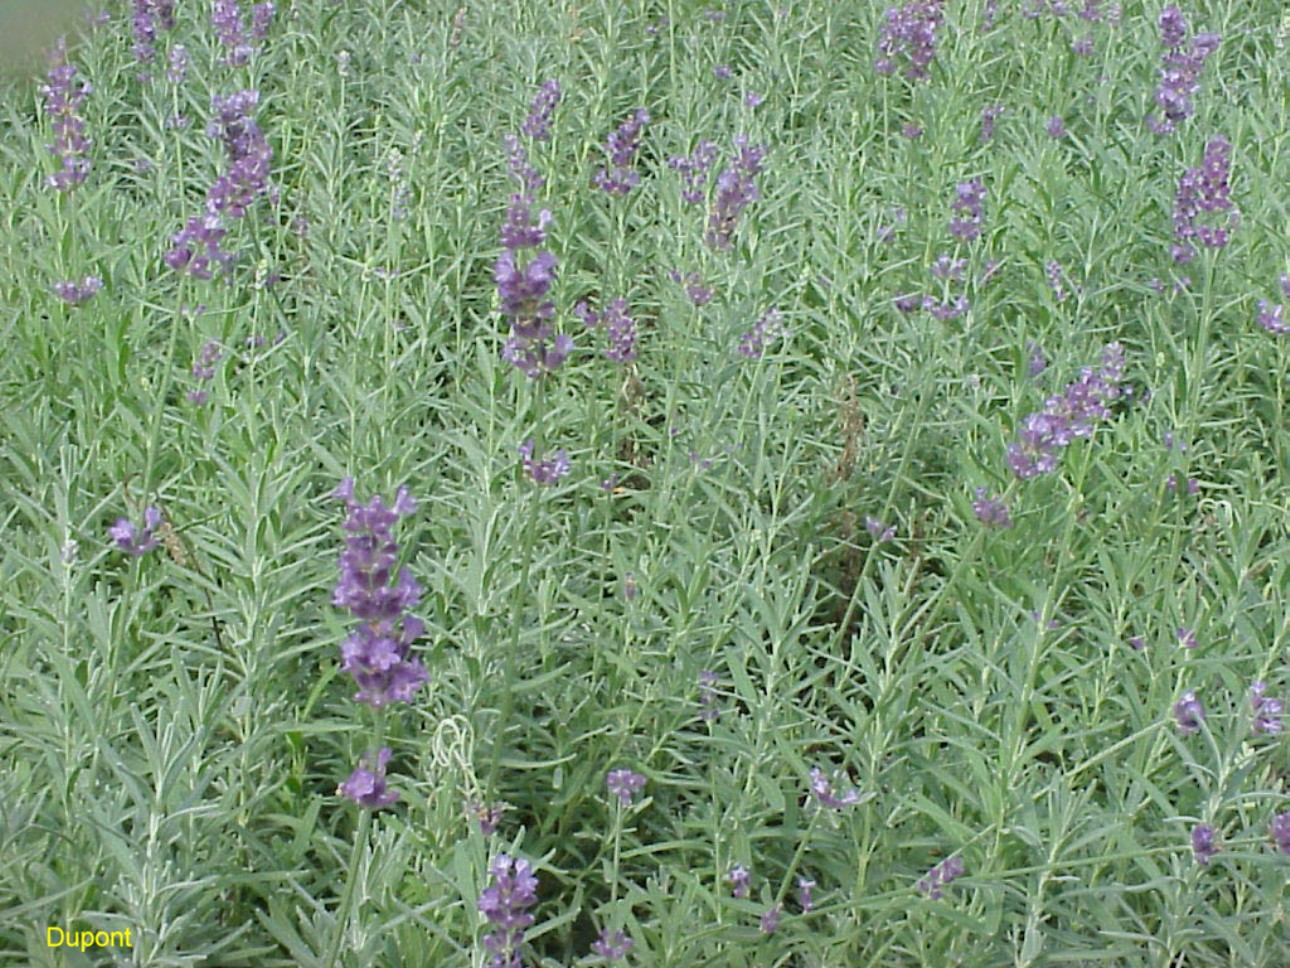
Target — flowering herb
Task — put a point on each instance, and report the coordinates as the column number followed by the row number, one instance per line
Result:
column 75, row 293
column 753, row 343
column 694, row 170
column 612, row 945
column 908, row 35
column 366, row 786
column 990, row 511
column 624, row 784
column 770, row 919
column 969, row 198
column 939, row 877
column 826, row 797
column 1203, row 845
column 376, row 655
column 736, row 189
column 620, row 328
column 1180, row 73
column 1188, row 713
column 505, row 904
column 621, row 149
column 739, row 880
column 134, row 540
column 538, row 123
column 1067, row 416
column 1204, row 190
column 804, row 899
column 1265, row 711
column 64, row 97
column 546, row 471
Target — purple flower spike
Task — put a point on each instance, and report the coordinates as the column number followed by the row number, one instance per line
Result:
column 1204, row 190
column 1188, row 713
column 1280, row 832
column 376, row 655
column 1265, row 710
column 1272, row 318
column 621, row 148
column 804, row 899
column 708, row 697
column 63, row 101
column 505, row 904
column 612, row 945
column 990, row 511
column 877, row 530
column 620, row 328
column 1182, row 64
column 753, row 343
column 366, row 785
column 75, row 293
column 736, row 189
column 969, row 198
column 694, row 170
column 1068, row 415
column 538, row 124
column 624, row 784
column 739, row 880
column 825, row 796
column 1203, row 845
column 546, row 471
column 134, row 540
column 939, row 877
column 770, row 919
column 909, row 35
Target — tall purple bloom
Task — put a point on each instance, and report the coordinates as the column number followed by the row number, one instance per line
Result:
column 1204, row 190
column 909, row 34
column 694, row 170
column 770, row 918
column 63, row 99
column 621, row 148
column 1180, row 73
column 547, row 470
column 1265, row 710
column 505, row 904
column 1280, row 832
column 736, row 188
column 523, row 286
column 1067, row 415
column 969, row 198
column 940, row 876
column 134, row 540
column 74, row 293
column 990, row 511
column 1188, row 712
column 739, row 880
column 538, row 123
column 366, row 786
column 826, row 798
column 612, row 945
column 620, row 328
column 376, row 655
column 1203, row 843
column 804, row 899
column 767, row 328
column 624, row 784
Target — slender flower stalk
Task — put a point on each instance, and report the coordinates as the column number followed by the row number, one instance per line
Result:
column 1204, row 190
column 621, row 149
column 64, row 98
column 908, row 36
column 1182, row 63
column 940, row 877
column 376, row 655
column 736, row 189
column 1068, row 415
column 505, row 904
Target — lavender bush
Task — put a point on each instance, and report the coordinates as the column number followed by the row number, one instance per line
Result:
column 850, row 459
